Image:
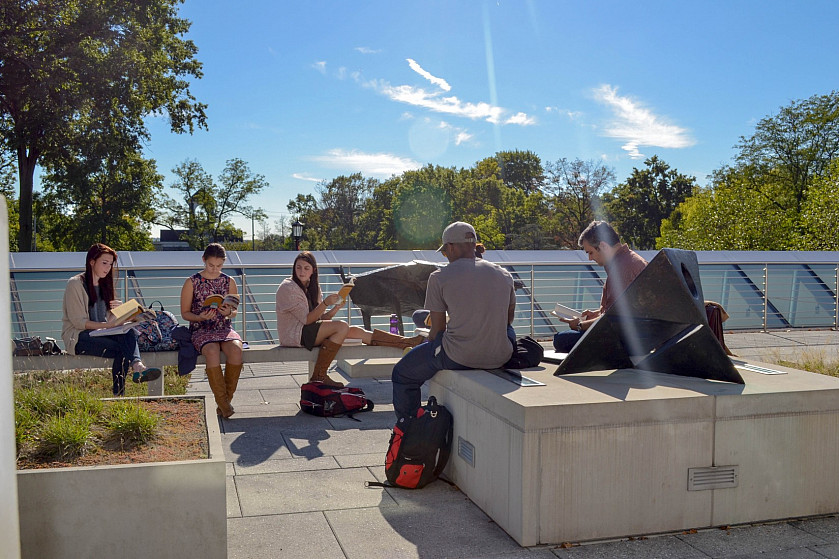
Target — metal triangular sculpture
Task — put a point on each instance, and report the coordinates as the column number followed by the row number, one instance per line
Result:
column 658, row 324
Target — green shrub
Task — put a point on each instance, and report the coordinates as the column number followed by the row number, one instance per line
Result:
column 26, row 424
column 66, row 436
column 129, row 422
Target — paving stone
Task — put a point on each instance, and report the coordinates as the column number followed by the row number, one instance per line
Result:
column 290, row 536
column 826, row 528
column 311, row 443
column 658, row 547
column 427, row 532
column 272, row 380
column 796, row 553
column 831, row 551
column 370, row 459
column 742, row 540
column 309, row 491
column 288, row 465
column 281, row 395
column 233, row 508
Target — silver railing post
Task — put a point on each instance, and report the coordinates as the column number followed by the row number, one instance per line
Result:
column 765, row 296
column 836, row 300
column 244, row 306
column 532, row 301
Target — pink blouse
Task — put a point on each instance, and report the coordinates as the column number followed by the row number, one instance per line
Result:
column 292, row 309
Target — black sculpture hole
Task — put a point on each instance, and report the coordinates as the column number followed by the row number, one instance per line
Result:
column 689, row 281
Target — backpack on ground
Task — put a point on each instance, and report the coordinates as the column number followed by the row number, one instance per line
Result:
column 419, row 447
column 156, row 335
column 323, row 400
column 527, row 353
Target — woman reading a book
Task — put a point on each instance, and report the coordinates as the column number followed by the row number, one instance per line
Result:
column 209, row 300
column 88, row 302
column 304, row 319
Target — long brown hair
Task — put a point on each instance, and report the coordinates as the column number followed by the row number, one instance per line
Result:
column 106, row 284
column 313, row 290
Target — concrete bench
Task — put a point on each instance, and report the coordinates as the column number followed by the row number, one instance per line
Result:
column 255, row 354
column 611, row 454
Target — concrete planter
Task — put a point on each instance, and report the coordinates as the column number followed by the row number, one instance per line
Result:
column 156, row 509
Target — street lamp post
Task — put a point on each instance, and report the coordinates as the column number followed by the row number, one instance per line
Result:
column 297, row 233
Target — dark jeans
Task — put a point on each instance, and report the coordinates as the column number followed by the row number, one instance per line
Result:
column 416, row 367
column 123, row 348
column 565, row 340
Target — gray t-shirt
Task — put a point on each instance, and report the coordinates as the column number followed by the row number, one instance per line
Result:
column 477, row 295
column 98, row 311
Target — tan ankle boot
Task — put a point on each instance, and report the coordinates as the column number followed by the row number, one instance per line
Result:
column 326, row 353
column 216, row 379
column 380, row 337
column 231, row 380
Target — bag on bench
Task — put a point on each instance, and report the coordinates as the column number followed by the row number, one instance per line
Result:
column 156, row 335
column 323, row 400
column 419, row 447
column 527, row 353
column 32, row 345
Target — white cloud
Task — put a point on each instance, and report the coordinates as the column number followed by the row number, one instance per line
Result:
column 451, row 104
column 520, row 118
column 367, row 50
column 638, row 125
column 378, row 164
column 320, row 66
column 440, row 82
column 304, row 177
column 461, row 137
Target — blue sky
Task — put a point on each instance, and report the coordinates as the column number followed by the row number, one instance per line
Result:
column 310, row 90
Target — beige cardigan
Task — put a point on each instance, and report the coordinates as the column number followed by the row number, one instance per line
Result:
column 292, row 310
column 75, row 312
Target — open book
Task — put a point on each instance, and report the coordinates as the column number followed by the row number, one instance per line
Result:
column 215, row 301
column 345, row 291
column 565, row 312
column 127, row 311
column 143, row 316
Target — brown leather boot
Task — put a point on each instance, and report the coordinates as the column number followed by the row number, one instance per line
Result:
column 231, row 380
column 216, row 379
column 380, row 337
column 326, row 353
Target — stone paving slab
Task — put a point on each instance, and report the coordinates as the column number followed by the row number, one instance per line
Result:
column 282, row 536
column 663, row 547
column 446, row 530
column 831, row 551
column 311, row 443
column 826, row 528
column 750, row 539
column 310, row 491
column 290, row 465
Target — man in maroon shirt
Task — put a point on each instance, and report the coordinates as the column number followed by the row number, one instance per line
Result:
column 603, row 246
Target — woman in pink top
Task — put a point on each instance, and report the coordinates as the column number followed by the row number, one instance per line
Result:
column 304, row 319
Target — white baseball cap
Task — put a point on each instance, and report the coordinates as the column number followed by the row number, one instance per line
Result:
column 458, row 232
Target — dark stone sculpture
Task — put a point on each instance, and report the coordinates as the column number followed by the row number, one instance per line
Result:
column 658, row 324
column 398, row 290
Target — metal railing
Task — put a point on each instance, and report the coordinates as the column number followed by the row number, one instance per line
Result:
column 756, row 296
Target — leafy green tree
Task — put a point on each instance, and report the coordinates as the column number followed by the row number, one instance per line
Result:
column 65, row 63
column 517, row 169
column 820, row 212
column 727, row 216
column 8, row 173
column 788, row 150
column 573, row 190
column 205, row 207
column 636, row 207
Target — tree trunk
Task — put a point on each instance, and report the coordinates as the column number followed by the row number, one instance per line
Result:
column 26, row 173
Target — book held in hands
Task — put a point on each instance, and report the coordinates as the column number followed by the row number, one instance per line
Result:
column 215, row 301
column 565, row 312
column 126, row 311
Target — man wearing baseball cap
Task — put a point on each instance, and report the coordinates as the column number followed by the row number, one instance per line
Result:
column 479, row 298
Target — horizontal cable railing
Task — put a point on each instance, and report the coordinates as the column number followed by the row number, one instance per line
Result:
column 755, row 296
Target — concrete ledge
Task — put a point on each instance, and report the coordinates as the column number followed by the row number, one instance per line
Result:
column 158, row 509
column 255, row 354
column 606, row 454
column 367, row 368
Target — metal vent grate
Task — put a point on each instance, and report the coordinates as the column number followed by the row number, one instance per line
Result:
column 466, row 450
column 715, row 477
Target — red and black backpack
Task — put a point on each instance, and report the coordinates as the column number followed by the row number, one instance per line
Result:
column 419, row 447
column 323, row 400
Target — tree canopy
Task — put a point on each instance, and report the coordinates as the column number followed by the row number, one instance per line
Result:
column 68, row 69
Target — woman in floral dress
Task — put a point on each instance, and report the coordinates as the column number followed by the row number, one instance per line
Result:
column 211, row 327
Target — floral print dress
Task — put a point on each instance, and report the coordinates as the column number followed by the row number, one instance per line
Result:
column 218, row 329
